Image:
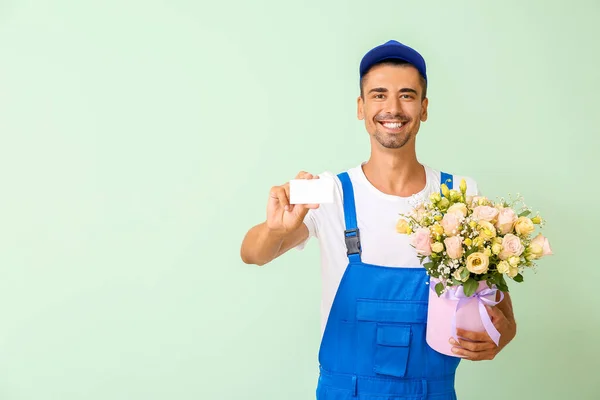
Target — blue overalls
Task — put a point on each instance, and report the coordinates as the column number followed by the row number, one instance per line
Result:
column 373, row 346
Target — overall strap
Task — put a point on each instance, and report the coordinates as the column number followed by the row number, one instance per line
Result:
column 446, row 178
column 351, row 233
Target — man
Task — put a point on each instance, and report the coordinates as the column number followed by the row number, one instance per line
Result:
column 374, row 300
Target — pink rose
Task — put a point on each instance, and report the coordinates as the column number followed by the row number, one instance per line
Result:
column 454, row 247
column 543, row 243
column 506, row 220
column 485, row 213
column 422, row 241
column 450, row 223
column 511, row 246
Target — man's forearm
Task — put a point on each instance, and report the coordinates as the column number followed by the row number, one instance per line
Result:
column 260, row 245
column 507, row 309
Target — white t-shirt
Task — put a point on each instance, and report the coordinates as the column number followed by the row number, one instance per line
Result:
column 377, row 214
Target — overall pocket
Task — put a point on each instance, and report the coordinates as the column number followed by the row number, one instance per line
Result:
column 390, row 336
column 392, row 349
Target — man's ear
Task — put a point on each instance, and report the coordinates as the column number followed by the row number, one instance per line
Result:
column 424, row 105
column 360, row 113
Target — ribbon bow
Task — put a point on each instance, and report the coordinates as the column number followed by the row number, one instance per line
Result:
column 482, row 297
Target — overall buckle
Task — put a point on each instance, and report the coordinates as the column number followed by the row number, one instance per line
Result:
column 352, row 237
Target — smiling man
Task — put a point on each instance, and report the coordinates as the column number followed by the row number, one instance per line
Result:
column 374, row 291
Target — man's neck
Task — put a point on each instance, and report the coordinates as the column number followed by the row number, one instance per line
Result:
column 395, row 173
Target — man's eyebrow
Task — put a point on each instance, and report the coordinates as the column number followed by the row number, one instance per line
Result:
column 405, row 90
column 384, row 90
column 378, row 90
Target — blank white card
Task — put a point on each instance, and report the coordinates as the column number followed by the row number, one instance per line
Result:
column 311, row 191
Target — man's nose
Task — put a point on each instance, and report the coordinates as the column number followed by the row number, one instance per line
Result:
column 394, row 106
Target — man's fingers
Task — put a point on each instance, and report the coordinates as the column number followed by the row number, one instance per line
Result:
column 474, row 355
column 473, row 336
column 494, row 312
column 473, row 346
column 279, row 193
column 306, row 175
column 496, row 315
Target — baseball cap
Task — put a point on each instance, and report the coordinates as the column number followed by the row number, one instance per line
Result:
column 392, row 50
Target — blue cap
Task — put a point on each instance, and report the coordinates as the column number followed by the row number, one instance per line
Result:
column 393, row 50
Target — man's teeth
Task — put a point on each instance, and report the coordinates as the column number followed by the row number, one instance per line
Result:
column 392, row 125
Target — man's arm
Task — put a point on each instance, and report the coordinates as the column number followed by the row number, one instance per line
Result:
column 262, row 245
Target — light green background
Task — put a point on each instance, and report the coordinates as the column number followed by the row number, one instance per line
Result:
column 139, row 140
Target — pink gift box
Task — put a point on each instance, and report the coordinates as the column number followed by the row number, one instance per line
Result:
column 441, row 311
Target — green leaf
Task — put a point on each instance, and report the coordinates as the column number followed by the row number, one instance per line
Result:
column 518, row 278
column 501, row 280
column 502, row 287
column 470, row 286
column 438, row 288
column 524, row 213
column 464, row 273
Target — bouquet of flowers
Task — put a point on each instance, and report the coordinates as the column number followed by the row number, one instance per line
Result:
column 472, row 245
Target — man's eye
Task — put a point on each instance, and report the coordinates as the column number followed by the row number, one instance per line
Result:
column 379, row 96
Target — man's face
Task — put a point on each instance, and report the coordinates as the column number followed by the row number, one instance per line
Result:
column 391, row 104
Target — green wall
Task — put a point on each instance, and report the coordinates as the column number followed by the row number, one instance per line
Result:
column 139, row 140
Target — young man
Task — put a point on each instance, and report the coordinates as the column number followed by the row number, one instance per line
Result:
column 374, row 299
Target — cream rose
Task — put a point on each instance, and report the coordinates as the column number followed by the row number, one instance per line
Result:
column 402, row 226
column 513, row 271
column 421, row 240
column 437, row 229
column 437, row 247
column 496, row 248
column 478, row 263
column 542, row 242
column 454, row 247
column 458, row 208
column 514, row 261
column 506, row 220
column 503, row 267
column 451, row 223
column 480, row 200
column 511, row 246
column 487, row 231
column 524, row 226
column 485, row 213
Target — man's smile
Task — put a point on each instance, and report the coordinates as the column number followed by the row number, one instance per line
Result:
column 392, row 126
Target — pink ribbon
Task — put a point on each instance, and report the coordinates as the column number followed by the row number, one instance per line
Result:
column 458, row 295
